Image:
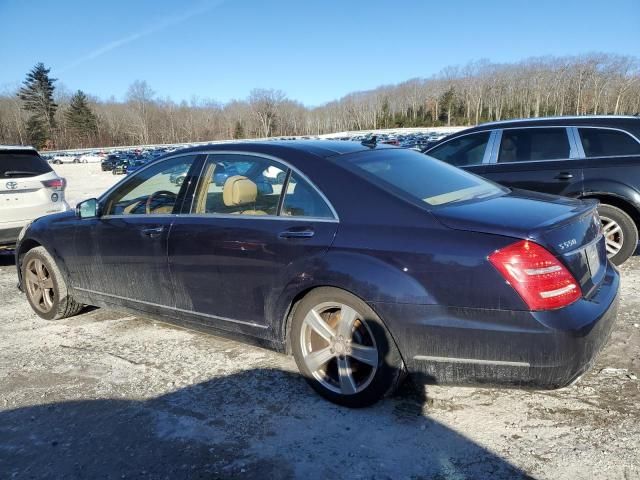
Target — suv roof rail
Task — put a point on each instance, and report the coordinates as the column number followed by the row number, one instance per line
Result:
column 564, row 117
column 16, row 147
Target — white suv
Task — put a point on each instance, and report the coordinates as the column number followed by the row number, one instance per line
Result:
column 29, row 188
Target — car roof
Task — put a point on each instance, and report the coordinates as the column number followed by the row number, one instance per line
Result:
column 17, row 147
column 320, row 148
column 590, row 120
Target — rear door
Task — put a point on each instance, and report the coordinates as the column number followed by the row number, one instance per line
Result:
column 542, row 159
column 613, row 155
column 244, row 240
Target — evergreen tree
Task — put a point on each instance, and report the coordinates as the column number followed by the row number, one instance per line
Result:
column 80, row 119
column 238, row 132
column 37, row 95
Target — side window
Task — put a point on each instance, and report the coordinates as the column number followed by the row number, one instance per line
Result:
column 600, row 142
column 463, row 151
column 302, row 200
column 153, row 191
column 526, row 144
column 239, row 184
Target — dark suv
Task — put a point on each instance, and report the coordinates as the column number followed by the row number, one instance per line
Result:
column 582, row 157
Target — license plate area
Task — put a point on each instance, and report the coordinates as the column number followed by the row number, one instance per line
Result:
column 593, row 259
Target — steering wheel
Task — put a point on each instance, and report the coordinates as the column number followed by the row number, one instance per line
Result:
column 154, row 195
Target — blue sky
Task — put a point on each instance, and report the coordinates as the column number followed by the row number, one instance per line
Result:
column 315, row 51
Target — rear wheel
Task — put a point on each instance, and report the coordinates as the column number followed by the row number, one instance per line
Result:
column 620, row 233
column 45, row 287
column 343, row 349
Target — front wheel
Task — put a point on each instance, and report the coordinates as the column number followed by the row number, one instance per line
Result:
column 343, row 349
column 620, row 233
column 45, row 287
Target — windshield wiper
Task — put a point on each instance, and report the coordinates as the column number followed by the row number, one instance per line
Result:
column 17, row 173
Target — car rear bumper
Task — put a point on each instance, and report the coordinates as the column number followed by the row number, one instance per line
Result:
column 9, row 232
column 501, row 347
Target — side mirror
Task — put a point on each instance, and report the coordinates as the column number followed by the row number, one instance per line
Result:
column 87, row 209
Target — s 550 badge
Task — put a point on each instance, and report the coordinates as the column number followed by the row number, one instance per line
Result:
column 567, row 244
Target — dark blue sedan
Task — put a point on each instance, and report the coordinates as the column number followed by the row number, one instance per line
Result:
column 363, row 261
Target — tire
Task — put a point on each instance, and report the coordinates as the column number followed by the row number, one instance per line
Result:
column 320, row 359
column 620, row 231
column 55, row 303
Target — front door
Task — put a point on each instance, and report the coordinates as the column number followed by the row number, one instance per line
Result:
column 122, row 254
column 244, row 240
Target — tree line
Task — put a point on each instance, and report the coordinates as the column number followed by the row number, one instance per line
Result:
column 41, row 114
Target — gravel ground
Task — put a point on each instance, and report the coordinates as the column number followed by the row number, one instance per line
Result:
column 108, row 395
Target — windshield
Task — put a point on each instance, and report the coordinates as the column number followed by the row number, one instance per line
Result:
column 421, row 177
column 15, row 164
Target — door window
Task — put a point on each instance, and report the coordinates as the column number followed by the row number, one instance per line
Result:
column 240, row 185
column 463, row 151
column 154, row 190
column 600, row 142
column 302, row 200
column 527, row 144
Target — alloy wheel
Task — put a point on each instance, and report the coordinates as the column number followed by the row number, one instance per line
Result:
column 39, row 283
column 338, row 348
column 613, row 235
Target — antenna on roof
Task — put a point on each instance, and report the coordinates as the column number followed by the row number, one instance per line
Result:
column 370, row 142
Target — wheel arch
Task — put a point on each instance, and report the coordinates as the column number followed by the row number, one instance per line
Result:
column 287, row 320
column 617, row 201
column 24, row 246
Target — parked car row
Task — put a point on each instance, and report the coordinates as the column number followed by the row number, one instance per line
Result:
column 417, row 140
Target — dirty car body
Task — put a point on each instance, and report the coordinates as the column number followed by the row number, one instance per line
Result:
column 429, row 267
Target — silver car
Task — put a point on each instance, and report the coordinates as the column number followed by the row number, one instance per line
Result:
column 29, row 188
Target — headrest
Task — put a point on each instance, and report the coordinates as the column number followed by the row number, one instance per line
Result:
column 239, row 190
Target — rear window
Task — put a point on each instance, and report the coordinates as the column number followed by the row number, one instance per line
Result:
column 420, row 177
column 599, row 142
column 18, row 163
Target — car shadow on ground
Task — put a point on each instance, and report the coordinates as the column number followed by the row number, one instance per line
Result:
column 261, row 423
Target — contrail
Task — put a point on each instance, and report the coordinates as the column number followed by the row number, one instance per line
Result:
column 161, row 25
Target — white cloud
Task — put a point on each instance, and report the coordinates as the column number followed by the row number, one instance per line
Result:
column 160, row 25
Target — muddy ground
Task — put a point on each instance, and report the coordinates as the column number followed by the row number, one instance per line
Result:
column 109, row 395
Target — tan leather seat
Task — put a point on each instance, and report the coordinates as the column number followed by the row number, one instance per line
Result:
column 239, row 191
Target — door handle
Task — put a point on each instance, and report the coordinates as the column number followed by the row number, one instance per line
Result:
column 297, row 233
column 152, row 232
column 564, row 176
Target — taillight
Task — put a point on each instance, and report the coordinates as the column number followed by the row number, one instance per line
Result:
column 539, row 278
column 56, row 183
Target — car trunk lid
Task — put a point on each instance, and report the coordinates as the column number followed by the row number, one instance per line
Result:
column 569, row 229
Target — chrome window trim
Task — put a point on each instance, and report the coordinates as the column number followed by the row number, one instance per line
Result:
column 488, row 152
column 277, row 160
column 181, row 310
column 336, row 218
column 577, row 142
column 566, row 131
column 493, row 159
column 477, row 132
column 223, row 215
column 584, row 155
